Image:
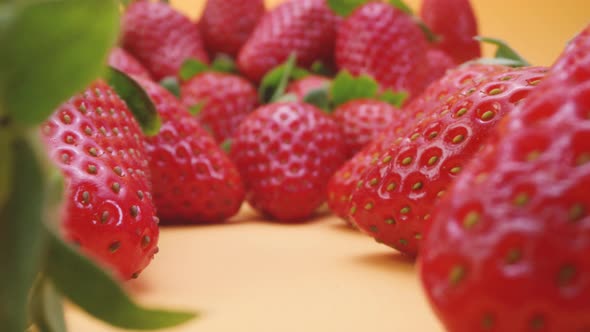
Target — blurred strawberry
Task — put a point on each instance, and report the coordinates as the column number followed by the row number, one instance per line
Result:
column 96, row 142
column 227, row 24
column 301, row 87
column 221, row 101
column 125, row 62
column 304, row 27
column 454, row 22
column 437, row 62
column 194, row 180
column 160, row 37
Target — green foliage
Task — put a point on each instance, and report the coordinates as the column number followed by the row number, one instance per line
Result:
column 505, row 54
column 5, row 165
column 49, row 49
column 137, row 100
column 171, row 84
column 21, row 236
column 319, row 98
column 99, row 294
column 224, row 64
column 197, row 108
column 47, row 307
column 275, row 82
column 345, row 7
column 401, row 5
column 346, row 87
column 394, row 98
column 191, row 68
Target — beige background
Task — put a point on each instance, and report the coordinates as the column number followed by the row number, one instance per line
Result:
column 257, row 276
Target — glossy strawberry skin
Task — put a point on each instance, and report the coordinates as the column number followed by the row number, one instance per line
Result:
column 286, row 152
column 160, row 37
column 108, row 210
column 455, row 23
column 509, row 244
column 438, row 63
column 397, row 195
column 305, row 27
column 381, row 41
column 194, row 180
column 125, row 62
column 348, row 176
column 300, row 88
column 362, row 120
column 226, row 100
column 227, row 24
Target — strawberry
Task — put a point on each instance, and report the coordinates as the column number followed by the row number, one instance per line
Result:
column 286, row 152
column 227, row 24
column 125, row 62
column 301, row 87
column 348, row 176
column 108, row 211
column 221, row 100
column 508, row 248
column 455, row 23
column 362, row 120
column 305, row 27
column 397, row 195
column 380, row 40
column 194, row 180
column 160, row 37
column 438, row 63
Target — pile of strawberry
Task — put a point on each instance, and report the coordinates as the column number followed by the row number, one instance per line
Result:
column 476, row 167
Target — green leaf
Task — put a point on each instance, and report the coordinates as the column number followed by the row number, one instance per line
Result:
column 47, row 311
column 224, row 64
column 96, row 292
column 401, row 5
column 430, row 35
column 5, row 164
column 394, row 98
column 226, row 145
column 197, row 108
column 21, row 236
column 171, row 84
column 320, row 68
column 345, row 7
column 319, row 98
column 345, row 88
column 504, row 51
column 137, row 100
column 275, row 82
column 191, row 68
column 51, row 50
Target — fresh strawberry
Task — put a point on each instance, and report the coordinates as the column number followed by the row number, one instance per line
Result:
column 348, row 176
column 100, row 149
column 508, row 248
column 160, row 37
column 194, row 180
column 286, row 152
column 385, row 43
column 300, row 88
column 397, row 195
column 305, row 27
column 125, row 62
column 227, row 24
column 454, row 22
column 221, row 100
column 438, row 62
column 362, row 120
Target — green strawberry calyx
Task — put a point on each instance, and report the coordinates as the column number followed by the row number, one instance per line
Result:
column 505, row 55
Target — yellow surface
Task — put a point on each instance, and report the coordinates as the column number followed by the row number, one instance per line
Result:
column 262, row 277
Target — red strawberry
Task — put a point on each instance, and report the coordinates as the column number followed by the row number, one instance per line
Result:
column 305, row 27
column 286, row 152
column 302, row 87
column 362, row 120
column 223, row 101
column 125, row 62
column 227, row 24
column 348, row 176
column 194, row 180
column 397, row 195
column 383, row 42
column 438, row 62
column 455, row 23
column 508, row 248
column 100, row 149
column 160, row 37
